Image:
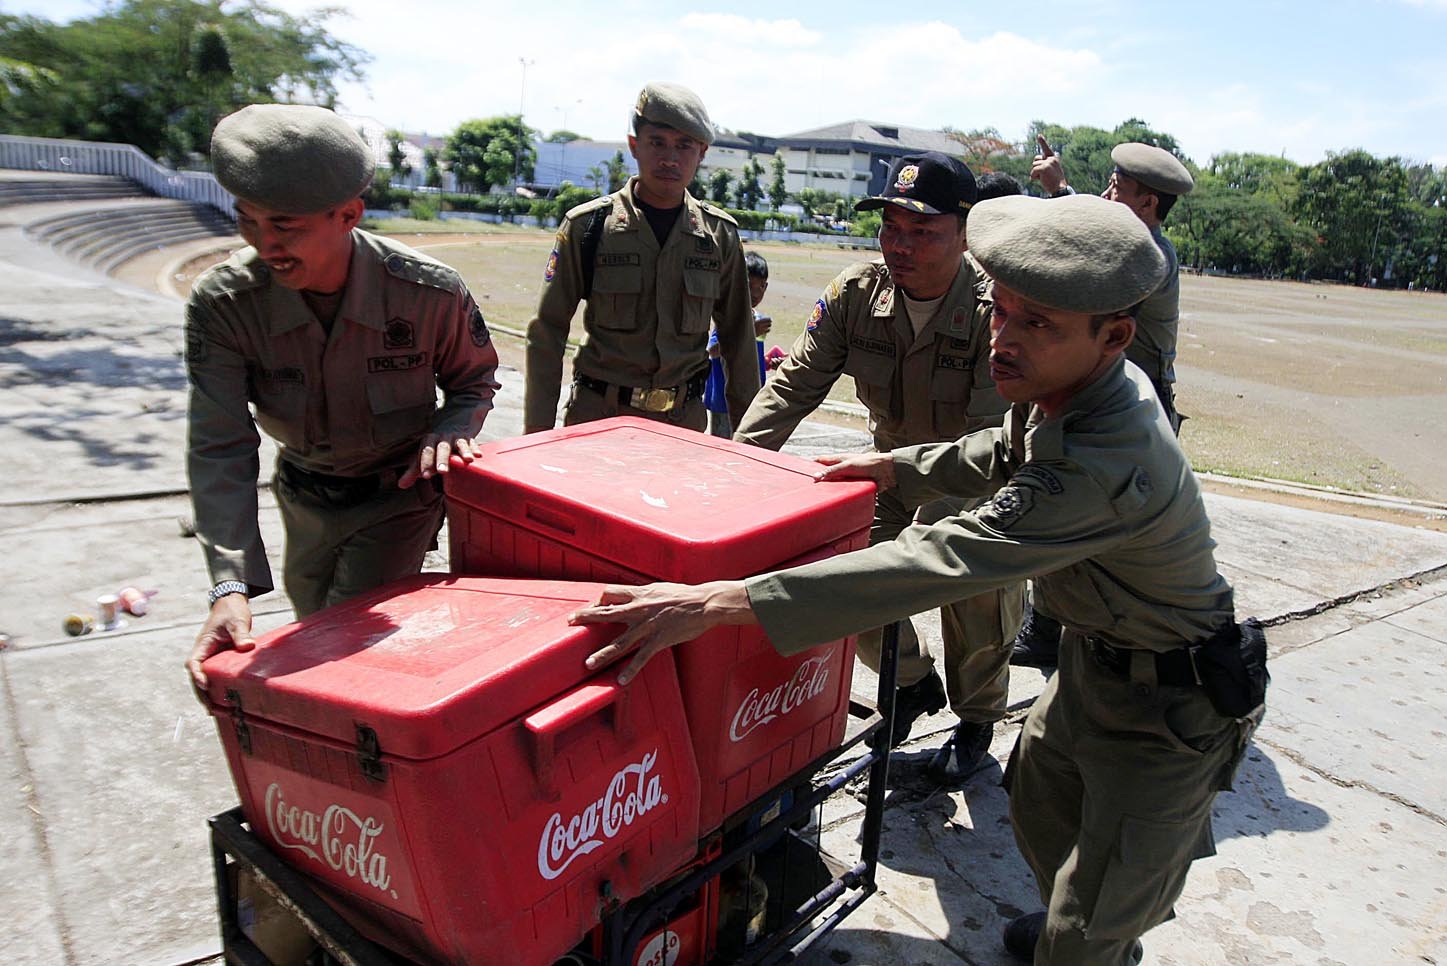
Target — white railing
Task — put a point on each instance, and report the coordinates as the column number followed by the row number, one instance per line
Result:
column 125, row 160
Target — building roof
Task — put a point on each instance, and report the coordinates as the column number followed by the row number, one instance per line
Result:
column 895, row 138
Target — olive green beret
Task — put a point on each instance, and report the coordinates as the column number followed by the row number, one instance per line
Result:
column 1156, row 168
column 1080, row 254
column 290, row 158
column 675, row 106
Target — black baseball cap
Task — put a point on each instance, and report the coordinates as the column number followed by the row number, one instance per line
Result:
column 931, row 184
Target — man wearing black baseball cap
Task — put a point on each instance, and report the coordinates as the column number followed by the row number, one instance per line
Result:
column 914, row 332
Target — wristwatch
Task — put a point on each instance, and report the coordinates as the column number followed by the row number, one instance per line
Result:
column 223, row 588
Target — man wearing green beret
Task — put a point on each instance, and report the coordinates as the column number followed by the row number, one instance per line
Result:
column 1119, row 760
column 1147, row 180
column 655, row 265
column 913, row 330
column 338, row 340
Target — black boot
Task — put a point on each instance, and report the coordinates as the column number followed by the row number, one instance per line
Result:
column 962, row 752
column 926, row 696
column 1023, row 932
column 1038, row 643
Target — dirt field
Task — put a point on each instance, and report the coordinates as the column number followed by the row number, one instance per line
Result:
column 1318, row 384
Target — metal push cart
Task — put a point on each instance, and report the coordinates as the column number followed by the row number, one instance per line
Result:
column 767, row 831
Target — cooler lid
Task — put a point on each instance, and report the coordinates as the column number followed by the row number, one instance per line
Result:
column 661, row 500
column 428, row 663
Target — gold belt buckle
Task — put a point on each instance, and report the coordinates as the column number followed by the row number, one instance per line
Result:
column 653, row 400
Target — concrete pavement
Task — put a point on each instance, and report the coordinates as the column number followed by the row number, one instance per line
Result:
column 1331, row 849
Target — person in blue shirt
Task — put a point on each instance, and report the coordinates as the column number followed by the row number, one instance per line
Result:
column 713, row 391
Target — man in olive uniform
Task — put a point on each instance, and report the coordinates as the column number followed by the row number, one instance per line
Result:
column 1147, row 180
column 1120, row 759
column 655, row 265
column 339, row 340
column 914, row 332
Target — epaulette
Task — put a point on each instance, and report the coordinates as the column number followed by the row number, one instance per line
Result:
column 588, row 206
column 421, row 270
column 243, row 271
column 718, row 213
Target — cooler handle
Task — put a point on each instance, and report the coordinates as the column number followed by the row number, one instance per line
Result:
column 551, row 519
column 547, row 723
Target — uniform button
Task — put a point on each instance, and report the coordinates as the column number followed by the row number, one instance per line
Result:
column 1141, row 689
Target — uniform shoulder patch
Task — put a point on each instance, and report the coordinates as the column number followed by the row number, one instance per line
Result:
column 477, row 328
column 1008, row 506
column 818, row 314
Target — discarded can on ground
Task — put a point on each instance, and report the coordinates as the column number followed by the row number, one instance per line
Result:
column 135, row 602
column 4, row 641
column 77, row 624
column 107, row 608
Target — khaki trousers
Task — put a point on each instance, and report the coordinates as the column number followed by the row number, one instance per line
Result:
column 1111, row 787
column 336, row 552
column 977, row 631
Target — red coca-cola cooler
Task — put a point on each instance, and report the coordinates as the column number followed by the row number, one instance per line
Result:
column 626, row 500
column 435, row 756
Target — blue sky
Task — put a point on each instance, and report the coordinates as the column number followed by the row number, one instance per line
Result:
column 1297, row 79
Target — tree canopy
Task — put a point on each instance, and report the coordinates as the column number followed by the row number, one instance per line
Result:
column 159, row 73
column 484, row 152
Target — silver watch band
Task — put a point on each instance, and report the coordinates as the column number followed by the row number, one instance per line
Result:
column 223, row 588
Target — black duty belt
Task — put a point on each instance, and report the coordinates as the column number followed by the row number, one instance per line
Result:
column 647, row 400
column 333, row 489
column 1175, row 667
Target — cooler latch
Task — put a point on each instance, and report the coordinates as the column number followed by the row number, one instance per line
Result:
column 369, row 754
column 238, row 720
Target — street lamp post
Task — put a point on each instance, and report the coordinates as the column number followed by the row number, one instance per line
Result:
column 563, row 152
column 517, row 158
column 1372, row 263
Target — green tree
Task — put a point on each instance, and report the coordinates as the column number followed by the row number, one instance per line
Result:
column 597, row 176
column 718, row 186
column 397, row 156
column 617, row 172
column 490, row 151
column 157, row 73
column 563, row 136
column 778, row 190
column 1359, row 208
column 747, row 191
column 816, row 201
column 431, row 168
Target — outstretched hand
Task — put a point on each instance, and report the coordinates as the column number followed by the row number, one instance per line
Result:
column 660, row 616
column 876, row 467
column 433, row 457
column 228, row 625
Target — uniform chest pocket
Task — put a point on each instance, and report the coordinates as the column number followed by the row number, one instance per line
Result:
column 616, row 293
column 280, row 398
column 700, row 291
column 950, row 397
column 869, row 368
column 402, row 405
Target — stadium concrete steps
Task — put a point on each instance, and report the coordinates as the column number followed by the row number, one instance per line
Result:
column 107, row 236
column 29, row 189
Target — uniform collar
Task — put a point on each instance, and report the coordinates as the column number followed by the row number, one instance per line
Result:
column 960, row 297
column 287, row 309
column 628, row 211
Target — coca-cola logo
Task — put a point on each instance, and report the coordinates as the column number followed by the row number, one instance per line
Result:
column 759, row 707
column 337, row 837
column 632, row 793
column 661, row 950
